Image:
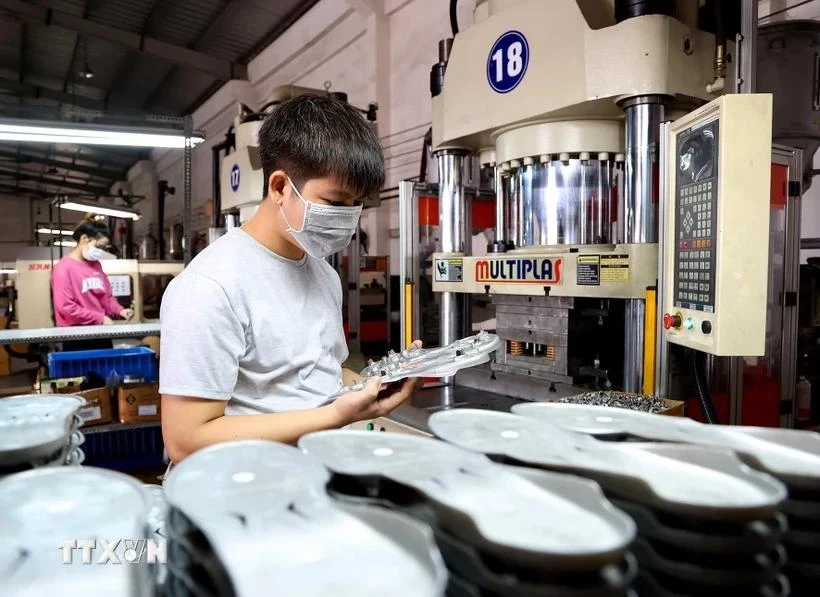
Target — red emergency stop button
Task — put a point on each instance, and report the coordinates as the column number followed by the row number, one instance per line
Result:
column 671, row 321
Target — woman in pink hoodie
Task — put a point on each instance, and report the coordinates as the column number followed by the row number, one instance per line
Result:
column 80, row 291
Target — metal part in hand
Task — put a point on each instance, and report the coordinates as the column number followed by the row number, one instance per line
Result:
column 429, row 362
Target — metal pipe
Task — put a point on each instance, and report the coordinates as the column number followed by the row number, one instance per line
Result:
column 454, row 308
column 661, row 345
column 644, row 115
column 634, row 316
column 500, row 208
column 187, row 233
column 643, row 119
column 527, row 190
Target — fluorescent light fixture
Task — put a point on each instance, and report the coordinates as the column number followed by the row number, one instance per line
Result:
column 54, row 232
column 104, row 210
column 65, row 243
column 50, row 132
column 8, row 271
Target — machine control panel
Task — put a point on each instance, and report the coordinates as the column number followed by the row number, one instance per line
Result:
column 696, row 197
column 716, row 247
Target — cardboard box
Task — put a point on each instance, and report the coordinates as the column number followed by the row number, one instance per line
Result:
column 97, row 409
column 674, row 408
column 139, row 403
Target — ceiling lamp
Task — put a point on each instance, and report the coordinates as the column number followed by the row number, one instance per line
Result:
column 103, row 210
column 54, row 132
column 54, row 231
column 86, row 72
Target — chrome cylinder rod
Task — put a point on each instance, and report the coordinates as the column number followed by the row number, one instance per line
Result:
column 454, row 234
column 644, row 115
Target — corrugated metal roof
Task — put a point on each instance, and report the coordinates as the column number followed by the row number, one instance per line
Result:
column 129, row 15
column 40, row 64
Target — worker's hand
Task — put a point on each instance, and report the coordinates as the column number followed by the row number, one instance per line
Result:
column 374, row 400
column 127, row 314
column 107, row 320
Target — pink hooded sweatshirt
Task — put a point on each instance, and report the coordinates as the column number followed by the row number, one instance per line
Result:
column 81, row 293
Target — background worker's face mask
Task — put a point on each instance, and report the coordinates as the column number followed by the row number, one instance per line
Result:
column 327, row 229
column 92, row 252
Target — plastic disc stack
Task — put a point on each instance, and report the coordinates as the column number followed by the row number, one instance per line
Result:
column 706, row 523
column 792, row 457
column 253, row 518
column 500, row 533
column 40, row 430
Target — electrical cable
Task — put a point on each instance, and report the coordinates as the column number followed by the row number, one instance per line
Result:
column 702, row 391
column 454, row 16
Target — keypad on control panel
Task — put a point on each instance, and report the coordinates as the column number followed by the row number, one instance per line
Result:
column 695, row 250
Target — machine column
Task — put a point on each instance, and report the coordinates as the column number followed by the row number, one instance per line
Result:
column 499, row 244
column 644, row 115
column 454, row 233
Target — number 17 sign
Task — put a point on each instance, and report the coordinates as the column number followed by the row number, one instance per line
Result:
column 507, row 62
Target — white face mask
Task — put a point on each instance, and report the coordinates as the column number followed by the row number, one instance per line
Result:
column 92, row 253
column 327, row 229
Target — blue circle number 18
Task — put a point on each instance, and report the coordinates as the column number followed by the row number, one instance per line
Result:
column 508, row 61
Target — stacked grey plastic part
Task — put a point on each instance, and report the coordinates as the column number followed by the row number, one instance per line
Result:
column 792, row 457
column 42, row 509
column 501, row 533
column 429, row 362
column 40, row 430
column 253, row 518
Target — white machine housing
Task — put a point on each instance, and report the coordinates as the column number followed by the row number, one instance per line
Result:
column 129, row 278
column 717, row 256
column 580, row 64
column 241, row 176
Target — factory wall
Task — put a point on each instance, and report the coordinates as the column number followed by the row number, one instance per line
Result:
column 18, row 218
column 386, row 59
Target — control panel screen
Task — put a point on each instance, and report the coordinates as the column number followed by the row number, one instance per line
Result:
column 696, row 217
column 120, row 285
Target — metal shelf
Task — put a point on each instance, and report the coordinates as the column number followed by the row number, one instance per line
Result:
column 90, row 332
column 117, row 427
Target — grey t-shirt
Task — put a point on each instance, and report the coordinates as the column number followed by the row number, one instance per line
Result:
column 243, row 324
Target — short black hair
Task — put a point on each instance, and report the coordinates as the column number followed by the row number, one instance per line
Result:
column 92, row 228
column 314, row 136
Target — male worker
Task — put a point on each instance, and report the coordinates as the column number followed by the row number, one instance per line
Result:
column 252, row 339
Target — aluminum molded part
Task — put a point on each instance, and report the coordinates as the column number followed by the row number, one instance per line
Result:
column 429, row 362
column 484, row 502
column 705, row 481
column 36, row 426
column 791, row 460
column 44, row 507
column 263, row 507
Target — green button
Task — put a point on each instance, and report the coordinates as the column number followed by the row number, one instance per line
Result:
column 369, row 426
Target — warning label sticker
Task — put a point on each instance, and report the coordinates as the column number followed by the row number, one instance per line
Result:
column 449, row 270
column 614, row 268
column 588, row 270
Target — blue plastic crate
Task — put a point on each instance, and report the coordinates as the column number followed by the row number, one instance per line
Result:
column 138, row 362
column 124, row 449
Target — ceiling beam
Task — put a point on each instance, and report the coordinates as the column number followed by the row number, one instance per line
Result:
column 23, row 158
column 214, row 21
column 39, row 92
column 223, row 69
column 22, row 176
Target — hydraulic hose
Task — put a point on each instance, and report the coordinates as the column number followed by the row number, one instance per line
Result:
column 702, row 391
